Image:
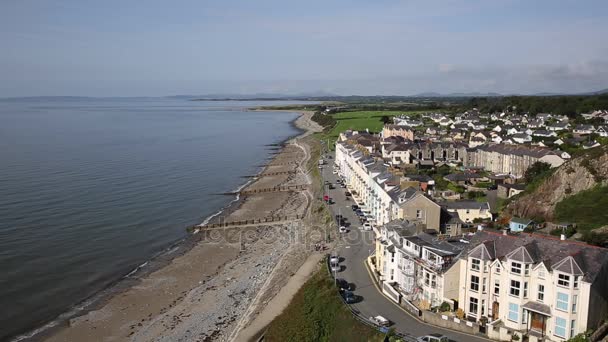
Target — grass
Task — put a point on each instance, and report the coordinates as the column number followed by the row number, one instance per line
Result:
column 587, row 208
column 358, row 121
column 316, row 313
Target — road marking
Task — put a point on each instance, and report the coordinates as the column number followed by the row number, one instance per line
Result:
column 347, row 247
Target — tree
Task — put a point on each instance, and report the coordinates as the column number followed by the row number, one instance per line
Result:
column 536, row 170
column 385, row 119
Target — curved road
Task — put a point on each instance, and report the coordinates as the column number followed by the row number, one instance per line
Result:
column 355, row 247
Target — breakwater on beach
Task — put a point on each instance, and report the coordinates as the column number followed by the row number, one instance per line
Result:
column 93, row 189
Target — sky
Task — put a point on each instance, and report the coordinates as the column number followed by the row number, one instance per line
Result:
column 362, row 47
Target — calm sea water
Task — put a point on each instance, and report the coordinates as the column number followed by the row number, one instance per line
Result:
column 91, row 188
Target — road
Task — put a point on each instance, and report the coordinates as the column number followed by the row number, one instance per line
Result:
column 355, row 247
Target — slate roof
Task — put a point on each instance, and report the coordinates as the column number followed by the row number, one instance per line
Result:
column 465, row 205
column 537, row 152
column 571, row 257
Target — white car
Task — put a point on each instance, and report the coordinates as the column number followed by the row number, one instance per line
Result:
column 433, row 338
column 335, row 172
column 334, row 259
column 367, row 226
column 336, row 268
column 343, row 229
column 381, row 321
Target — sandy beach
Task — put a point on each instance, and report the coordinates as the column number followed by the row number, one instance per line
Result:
column 214, row 291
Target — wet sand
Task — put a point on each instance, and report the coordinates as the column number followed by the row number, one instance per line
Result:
column 219, row 286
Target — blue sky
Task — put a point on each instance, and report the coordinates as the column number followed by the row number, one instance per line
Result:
column 155, row 48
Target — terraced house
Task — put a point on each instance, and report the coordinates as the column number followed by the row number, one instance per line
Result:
column 532, row 285
column 510, row 159
column 380, row 191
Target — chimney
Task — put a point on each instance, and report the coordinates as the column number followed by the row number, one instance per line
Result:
column 562, row 237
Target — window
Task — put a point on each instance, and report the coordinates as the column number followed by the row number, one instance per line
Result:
column 515, row 286
column 563, row 280
column 475, row 264
column 474, row 283
column 527, row 269
column 541, row 273
column 496, row 287
column 541, row 293
column 497, row 269
column 574, row 300
column 419, row 213
column 575, row 282
column 407, row 243
column 562, row 301
column 572, row 325
column 483, row 285
column 473, row 305
column 526, row 289
column 513, row 312
column 560, row 327
column 515, row 267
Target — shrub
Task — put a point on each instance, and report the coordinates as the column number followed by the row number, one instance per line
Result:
column 444, row 307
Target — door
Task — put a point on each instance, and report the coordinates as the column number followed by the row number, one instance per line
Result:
column 494, row 311
column 538, row 322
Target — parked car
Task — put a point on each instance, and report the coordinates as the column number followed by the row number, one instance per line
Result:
column 350, row 297
column 335, row 172
column 381, row 321
column 367, row 226
column 433, row 338
column 336, row 268
column 359, row 212
column 493, row 187
column 342, row 185
column 334, row 259
column 344, row 285
column 346, row 193
column 331, row 186
column 339, row 217
column 325, row 198
column 354, row 207
column 343, row 229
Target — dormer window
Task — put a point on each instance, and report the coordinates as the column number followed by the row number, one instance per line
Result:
column 576, row 282
column 475, row 264
column 515, row 267
column 563, row 280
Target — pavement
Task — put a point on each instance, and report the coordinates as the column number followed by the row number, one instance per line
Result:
column 354, row 248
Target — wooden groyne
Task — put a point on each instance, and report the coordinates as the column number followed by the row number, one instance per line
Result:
column 285, row 188
column 263, row 220
column 279, row 173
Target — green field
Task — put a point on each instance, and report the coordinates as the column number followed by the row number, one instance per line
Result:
column 316, row 313
column 587, row 208
column 359, row 121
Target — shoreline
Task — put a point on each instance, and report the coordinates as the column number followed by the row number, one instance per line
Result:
column 159, row 261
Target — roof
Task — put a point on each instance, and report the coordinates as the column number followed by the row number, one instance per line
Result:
column 465, row 205
column 570, row 257
column 533, row 151
column 538, row 307
column 521, row 220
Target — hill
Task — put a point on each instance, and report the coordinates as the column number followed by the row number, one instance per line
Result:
column 587, row 172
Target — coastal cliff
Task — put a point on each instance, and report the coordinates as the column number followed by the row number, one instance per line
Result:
column 579, row 174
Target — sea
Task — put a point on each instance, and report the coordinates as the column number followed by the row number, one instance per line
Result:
column 91, row 189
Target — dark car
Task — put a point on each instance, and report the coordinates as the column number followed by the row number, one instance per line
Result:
column 331, row 186
column 339, row 217
column 346, row 193
column 354, row 207
column 350, row 297
column 493, row 187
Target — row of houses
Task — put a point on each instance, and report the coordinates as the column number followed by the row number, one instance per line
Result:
column 523, row 284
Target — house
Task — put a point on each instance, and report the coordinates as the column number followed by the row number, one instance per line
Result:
column 559, row 126
column 466, row 178
column 420, row 209
column 510, row 159
column 509, row 190
column 412, row 264
column 397, row 130
column 590, row 144
column 469, row 211
column 533, row 285
column 521, row 138
column 544, row 133
column 518, row 224
column 583, row 129
column 602, row 131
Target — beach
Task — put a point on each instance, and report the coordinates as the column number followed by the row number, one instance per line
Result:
column 215, row 290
